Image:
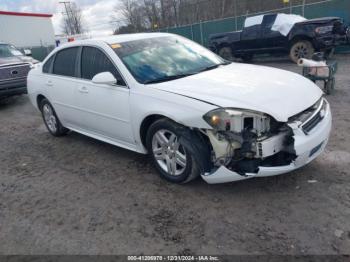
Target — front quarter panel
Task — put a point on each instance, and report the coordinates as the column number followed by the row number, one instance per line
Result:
column 146, row 101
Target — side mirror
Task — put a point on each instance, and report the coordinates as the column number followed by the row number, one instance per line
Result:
column 27, row 52
column 104, row 78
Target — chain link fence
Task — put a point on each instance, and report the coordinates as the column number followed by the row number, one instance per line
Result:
column 200, row 31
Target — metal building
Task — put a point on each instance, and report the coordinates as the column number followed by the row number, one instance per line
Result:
column 28, row 31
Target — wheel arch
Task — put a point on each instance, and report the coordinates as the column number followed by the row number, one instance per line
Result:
column 297, row 38
column 226, row 44
column 195, row 141
column 39, row 98
column 147, row 122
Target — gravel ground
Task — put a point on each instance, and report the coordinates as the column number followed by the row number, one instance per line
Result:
column 76, row 195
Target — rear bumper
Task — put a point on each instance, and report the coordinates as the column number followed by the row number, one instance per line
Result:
column 13, row 87
column 307, row 148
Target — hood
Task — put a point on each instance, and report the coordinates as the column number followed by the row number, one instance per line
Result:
column 10, row 60
column 28, row 59
column 17, row 59
column 279, row 93
column 323, row 20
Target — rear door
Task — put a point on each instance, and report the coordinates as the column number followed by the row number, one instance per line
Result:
column 250, row 37
column 61, row 80
column 271, row 39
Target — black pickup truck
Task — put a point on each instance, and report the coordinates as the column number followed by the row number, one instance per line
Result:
column 300, row 40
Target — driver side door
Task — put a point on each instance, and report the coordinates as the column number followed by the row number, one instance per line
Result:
column 104, row 108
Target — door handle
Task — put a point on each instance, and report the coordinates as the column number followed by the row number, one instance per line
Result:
column 83, row 89
column 49, row 83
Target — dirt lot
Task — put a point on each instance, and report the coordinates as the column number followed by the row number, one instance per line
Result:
column 76, row 195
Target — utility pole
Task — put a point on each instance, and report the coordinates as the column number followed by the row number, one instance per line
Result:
column 303, row 11
column 70, row 25
column 236, row 13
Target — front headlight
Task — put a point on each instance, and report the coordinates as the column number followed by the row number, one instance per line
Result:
column 324, row 29
column 236, row 120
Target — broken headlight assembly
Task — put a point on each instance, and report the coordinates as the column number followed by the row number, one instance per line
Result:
column 235, row 120
column 242, row 139
column 324, row 29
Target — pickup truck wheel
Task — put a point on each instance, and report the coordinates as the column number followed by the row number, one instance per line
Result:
column 301, row 49
column 51, row 120
column 329, row 53
column 226, row 53
column 247, row 58
column 329, row 86
column 172, row 159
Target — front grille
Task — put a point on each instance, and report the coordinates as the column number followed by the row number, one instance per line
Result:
column 14, row 71
column 310, row 117
column 308, row 126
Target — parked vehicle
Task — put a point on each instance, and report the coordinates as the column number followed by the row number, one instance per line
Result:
column 14, row 67
column 194, row 112
column 277, row 34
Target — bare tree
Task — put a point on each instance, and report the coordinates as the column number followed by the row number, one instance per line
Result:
column 143, row 15
column 72, row 23
column 153, row 11
column 133, row 15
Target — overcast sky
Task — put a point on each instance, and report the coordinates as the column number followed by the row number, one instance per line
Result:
column 97, row 14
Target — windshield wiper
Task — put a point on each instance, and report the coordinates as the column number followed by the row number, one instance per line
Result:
column 166, row 78
column 169, row 78
column 214, row 66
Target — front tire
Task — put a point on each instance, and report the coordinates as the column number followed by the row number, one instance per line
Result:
column 51, row 120
column 301, row 49
column 171, row 158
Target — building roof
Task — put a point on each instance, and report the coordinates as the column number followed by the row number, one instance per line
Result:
column 25, row 14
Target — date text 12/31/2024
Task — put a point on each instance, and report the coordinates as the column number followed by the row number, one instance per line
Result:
column 173, row 258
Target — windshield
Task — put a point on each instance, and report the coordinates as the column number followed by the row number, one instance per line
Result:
column 165, row 58
column 9, row 50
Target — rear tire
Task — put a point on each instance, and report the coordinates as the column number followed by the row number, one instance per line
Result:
column 301, row 49
column 247, row 58
column 173, row 161
column 52, row 123
column 226, row 53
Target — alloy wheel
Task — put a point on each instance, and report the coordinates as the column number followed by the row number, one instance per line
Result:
column 50, row 118
column 301, row 51
column 169, row 153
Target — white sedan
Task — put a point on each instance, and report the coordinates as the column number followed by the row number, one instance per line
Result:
column 193, row 112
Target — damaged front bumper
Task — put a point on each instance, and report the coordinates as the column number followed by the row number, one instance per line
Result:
column 307, row 147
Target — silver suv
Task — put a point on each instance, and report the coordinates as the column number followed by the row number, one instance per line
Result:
column 14, row 68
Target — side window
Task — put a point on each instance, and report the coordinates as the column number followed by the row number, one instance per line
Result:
column 47, row 68
column 94, row 61
column 65, row 62
column 268, row 21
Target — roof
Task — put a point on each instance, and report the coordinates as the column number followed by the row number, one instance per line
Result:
column 128, row 37
column 114, row 39
column 25, row 14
